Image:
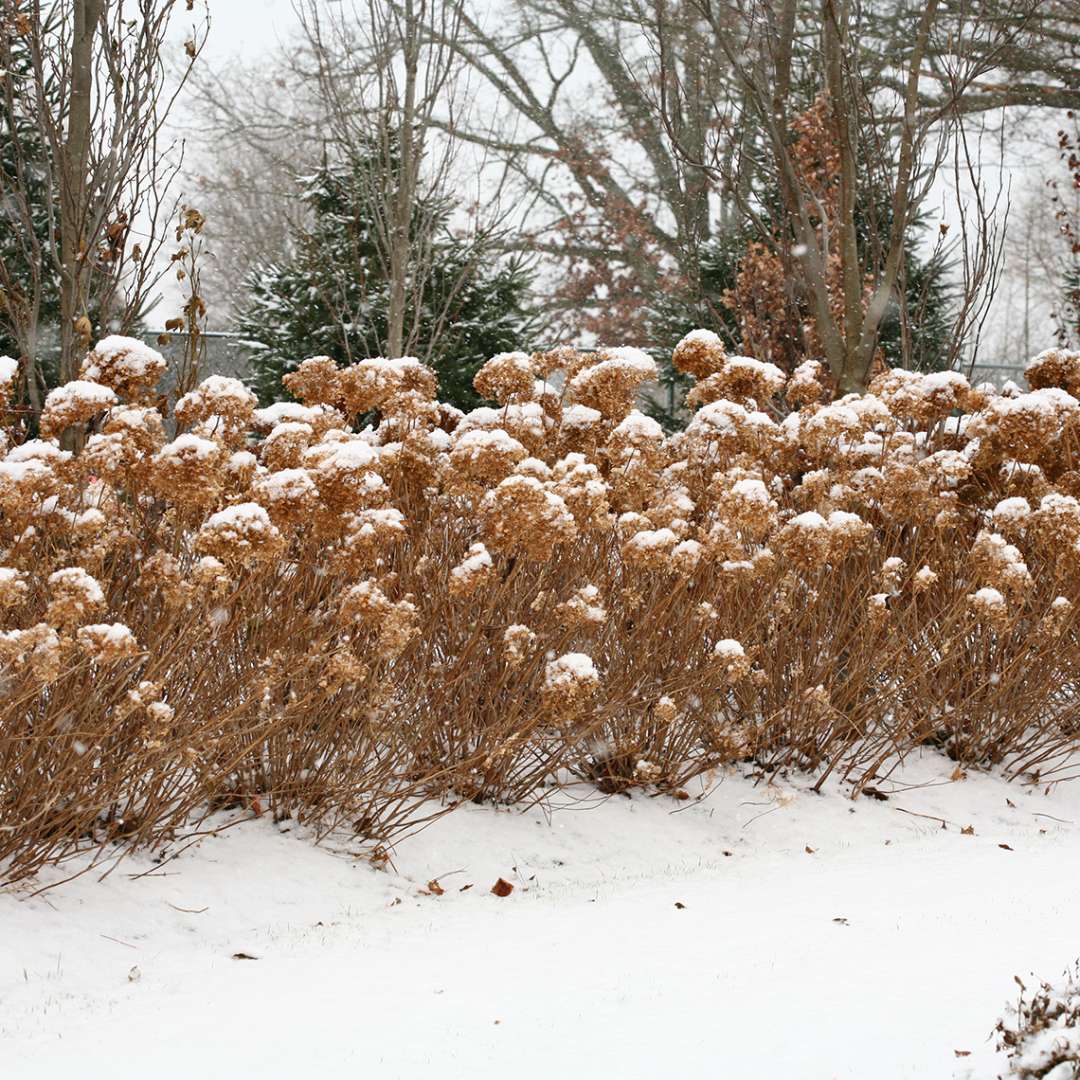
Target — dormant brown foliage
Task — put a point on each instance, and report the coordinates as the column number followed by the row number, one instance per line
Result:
column 278, row 612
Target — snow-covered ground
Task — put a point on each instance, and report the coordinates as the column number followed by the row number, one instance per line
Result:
column 761, row 932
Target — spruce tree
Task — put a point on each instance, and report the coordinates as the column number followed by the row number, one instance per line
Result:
column 23, row 177
column 331, row 298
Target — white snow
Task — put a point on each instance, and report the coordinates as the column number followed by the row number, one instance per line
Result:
column 571, row 667
column 9, row 368
column 817, row 937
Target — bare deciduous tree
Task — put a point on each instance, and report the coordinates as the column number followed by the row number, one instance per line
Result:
column 99, row 92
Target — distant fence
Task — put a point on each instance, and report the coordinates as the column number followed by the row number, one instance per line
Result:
column 225, row 354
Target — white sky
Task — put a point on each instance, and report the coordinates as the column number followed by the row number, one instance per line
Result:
column 247, row 27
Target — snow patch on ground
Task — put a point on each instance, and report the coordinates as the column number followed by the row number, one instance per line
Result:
column 761, row 931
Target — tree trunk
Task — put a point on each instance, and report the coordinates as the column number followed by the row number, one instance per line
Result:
column 74, row 185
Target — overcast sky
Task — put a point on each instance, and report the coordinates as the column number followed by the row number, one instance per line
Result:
column 248, row 27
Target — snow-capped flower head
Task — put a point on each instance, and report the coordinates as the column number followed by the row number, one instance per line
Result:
column 583, row 610
column 289, row 495
column 700, row 354
column 744, row 379
column 379, row 382
column 1055, row 368
column 522, row 517
column 892, row 574
column 316, row 381
column 13, row 587
column 284, row 446
column 611, row 381
column 320, row 418
column 925, row 398
column 1024, row 428
column 925, row 578
column 518, row 642
column 187, row 471
column 1056, row 521
column 807, row 384
column 74, row 403
column 581, row 430
column 394, row 624
column 726, row 428
column 734, row 663
column 524, row 421
column 240, row 535
column 39, row 649
column 650, row 549
column 74, row 596
column 1011, row 515
column 29, row 474
column 506, row 377
column 9, row 372
column 481, row 458
column 570, row 681
column 810, row 540
column 989, row 606
column 106, row 642
column 637, row 439
column 225, row 404
column 476, row 570
column 743, row 503
column 126, row 365
column 367, row 537
column 345, row 470
column 584, row 491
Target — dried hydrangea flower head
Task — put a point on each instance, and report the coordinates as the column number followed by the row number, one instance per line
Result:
column 1055, row 367
column 240, row 535
column 316, row 381
column 734, row 663
column 187, row 470
column 126, row 365
column 284, row 446
column 522, row 517
column 289, row 496
column 518, row 642
column 570, row 681
column 107, row 642
column 9, row 375
column 611, row 381
column 223, row 405
column 395, row 625
column 481, row 458
column 367, row 537
column 581, row 487
column 375, row 383
column 74, row 403
column 808, row 384
column 74, row 596
column 346, row 472
column 744, row 379
column 475, row 571
column 13, row 587
column 30, row 474
column 700, row 353
column 506, row 377
column 38, row 649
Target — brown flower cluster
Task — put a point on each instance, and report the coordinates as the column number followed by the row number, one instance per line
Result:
column 345, row 606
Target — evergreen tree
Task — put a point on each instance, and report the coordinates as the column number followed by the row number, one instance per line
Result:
column 928, row 293
column 23, row 176
column 332, row 297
